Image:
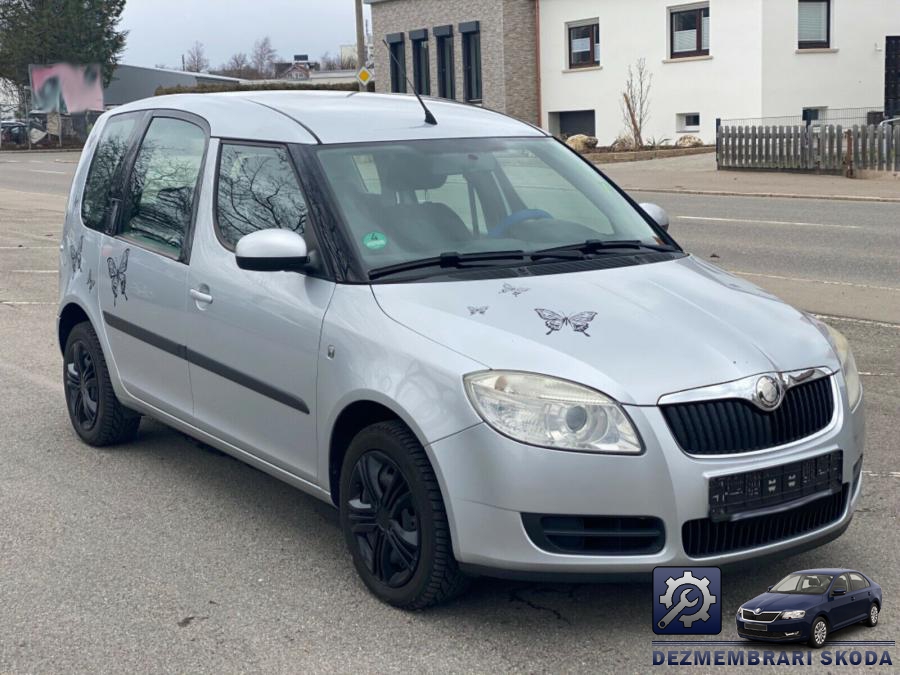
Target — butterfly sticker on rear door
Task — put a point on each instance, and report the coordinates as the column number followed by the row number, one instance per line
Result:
column 579, row 322
column 117, row 275
column 75, row 255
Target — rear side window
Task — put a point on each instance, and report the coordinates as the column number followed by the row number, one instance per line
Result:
column 105, row 165
column 857, row 582
column 162, row 185
column 257, row 190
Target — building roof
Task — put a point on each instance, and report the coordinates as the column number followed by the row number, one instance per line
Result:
column 336, row 116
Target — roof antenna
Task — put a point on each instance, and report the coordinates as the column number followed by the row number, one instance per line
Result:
column 429, row 118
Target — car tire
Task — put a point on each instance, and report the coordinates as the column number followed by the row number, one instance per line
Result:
column 874, row 611
column 818, row 634
column 96, row 414
column 394, row 520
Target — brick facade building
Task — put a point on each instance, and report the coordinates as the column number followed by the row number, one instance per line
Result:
column 477, row 51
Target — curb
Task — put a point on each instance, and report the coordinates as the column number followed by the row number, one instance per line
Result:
column 776, row 195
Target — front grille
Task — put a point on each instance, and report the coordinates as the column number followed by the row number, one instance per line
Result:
column 762, row 616
column 729, row 426
column 772, row 635
column 704, row 537
column 595, row 535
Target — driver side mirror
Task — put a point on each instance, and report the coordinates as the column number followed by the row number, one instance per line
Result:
column 838, row 590
column 273, row 250
column 657, row 213
column 769, row 589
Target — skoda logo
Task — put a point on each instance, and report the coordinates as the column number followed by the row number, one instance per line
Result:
column 769, row 392
column 757, row 610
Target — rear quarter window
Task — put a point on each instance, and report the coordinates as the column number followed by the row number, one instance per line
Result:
column 105, row 164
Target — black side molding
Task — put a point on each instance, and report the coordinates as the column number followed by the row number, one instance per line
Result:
column 202, row 361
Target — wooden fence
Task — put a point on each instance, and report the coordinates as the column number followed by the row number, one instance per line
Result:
column 815, row 148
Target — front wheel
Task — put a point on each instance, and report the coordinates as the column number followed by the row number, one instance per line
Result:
column 394, row 520
column 872, row 621
column 819, row 633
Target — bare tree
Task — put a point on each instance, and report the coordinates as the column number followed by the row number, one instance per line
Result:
column 263, row 56
column 238, row 66
column 337, row 62
column 195, row 61
column 636, row 100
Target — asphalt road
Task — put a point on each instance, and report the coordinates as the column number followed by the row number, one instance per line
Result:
column 166, row 556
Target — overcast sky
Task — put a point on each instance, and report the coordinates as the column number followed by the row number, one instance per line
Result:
column 160, row 31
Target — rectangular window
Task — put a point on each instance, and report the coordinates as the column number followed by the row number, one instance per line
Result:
column 421, row 66
column 689, row 34
column 162, row 185
column 471, row 46
column 584, row 44
column 257, row 189
column 105, row 165
column 398, row 62
column 814, row 24
column 688, row 122
column 445, row 66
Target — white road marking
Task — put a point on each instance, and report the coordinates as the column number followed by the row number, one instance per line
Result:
column 876, row 474
column 23, row 248
column 45, row 171
column 35, row 271
column 766, row 222
column 878, row 374
column 25, row 302
column 864, row 322
column 817, row 281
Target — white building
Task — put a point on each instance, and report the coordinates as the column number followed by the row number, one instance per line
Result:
column 715, row 59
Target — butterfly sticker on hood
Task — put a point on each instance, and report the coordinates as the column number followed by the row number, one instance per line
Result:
column 554, row 321
column 117, row 275
column 516, row 291
column 75, row 255
column 477, row 310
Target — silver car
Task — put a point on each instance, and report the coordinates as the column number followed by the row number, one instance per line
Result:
column 461, row 334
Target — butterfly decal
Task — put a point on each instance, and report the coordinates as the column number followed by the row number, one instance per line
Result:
column 516, row 291
column 477, row 310
column 90, row 280
column 117, row 275
column 579, row 322
column 75, row 255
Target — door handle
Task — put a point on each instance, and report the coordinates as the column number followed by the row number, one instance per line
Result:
column 200, row 296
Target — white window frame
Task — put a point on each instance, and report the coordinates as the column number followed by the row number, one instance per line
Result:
column 675, row 9
column 681, row 125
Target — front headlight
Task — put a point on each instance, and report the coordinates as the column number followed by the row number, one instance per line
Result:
column 848, row 364
column 552, row 413
column 795, row 614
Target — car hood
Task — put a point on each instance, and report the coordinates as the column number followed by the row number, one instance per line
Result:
column 659, row 328
column 782, row 601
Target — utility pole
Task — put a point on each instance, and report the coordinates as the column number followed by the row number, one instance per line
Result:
column 360, row 40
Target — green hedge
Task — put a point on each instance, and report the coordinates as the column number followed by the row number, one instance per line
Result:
column 262, row 86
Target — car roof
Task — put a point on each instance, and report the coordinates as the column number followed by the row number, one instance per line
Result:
column 335, row 116
column 826, row 570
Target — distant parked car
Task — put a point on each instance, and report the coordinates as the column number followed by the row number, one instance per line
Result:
column 13, row 131
column 810, row 605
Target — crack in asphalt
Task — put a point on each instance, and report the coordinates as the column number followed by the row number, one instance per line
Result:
column 515, row 595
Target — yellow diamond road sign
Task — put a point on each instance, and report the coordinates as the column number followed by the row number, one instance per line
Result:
column 364, row 75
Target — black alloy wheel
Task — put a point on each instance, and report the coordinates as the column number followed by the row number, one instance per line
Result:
column 383, row 519
column 82, row 388
column 394, row 519
column 95, row 412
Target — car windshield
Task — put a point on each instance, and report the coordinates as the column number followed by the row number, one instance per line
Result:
column 809, row 584
column 406, row 201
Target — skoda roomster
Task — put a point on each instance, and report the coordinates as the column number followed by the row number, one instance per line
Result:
column 462, row 335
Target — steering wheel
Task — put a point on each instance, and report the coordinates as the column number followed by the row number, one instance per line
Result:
column 515, row 218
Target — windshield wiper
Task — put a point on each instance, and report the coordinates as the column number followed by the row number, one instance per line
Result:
column 599, row 245
column 450, row 259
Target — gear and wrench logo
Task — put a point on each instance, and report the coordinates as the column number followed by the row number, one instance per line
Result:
column 686, row 600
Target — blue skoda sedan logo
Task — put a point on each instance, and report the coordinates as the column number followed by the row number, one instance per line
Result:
column 687, row 601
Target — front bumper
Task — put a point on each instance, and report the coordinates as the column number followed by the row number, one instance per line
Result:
column 489, row 481
column 791, row 630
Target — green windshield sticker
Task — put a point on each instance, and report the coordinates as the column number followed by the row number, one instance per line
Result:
column 374, row 241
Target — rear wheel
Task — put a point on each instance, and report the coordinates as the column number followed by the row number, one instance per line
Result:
column 95, row 412
column 819, row 633
column 872, row 621
column 394, row 520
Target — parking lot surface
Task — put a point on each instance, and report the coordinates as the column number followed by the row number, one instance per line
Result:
column 167, row 556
